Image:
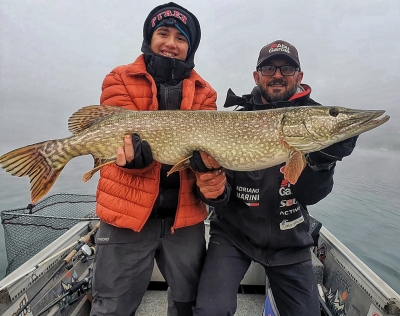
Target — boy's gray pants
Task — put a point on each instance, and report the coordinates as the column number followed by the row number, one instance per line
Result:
column 124, row 264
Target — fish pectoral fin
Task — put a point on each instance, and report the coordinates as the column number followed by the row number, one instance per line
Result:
column 294, row 166
column 98, row 164
column 183, row 164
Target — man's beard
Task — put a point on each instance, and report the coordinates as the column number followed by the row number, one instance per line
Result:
column 277, row 97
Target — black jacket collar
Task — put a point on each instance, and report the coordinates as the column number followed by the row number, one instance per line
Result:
column 253, row 101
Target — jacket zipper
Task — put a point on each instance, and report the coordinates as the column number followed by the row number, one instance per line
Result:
column 179, row 202
column 162, row 234
column 275, row 189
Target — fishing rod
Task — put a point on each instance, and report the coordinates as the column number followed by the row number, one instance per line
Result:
column 81, row 287
column 33, row 269
column 82, row 241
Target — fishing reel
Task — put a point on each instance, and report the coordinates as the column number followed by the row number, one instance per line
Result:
column 83, row 252
column 72, row 295
column 76, row 291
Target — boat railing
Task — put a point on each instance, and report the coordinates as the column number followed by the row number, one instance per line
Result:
column 29, row 230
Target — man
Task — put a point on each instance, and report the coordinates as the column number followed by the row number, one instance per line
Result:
column 144, row 214
column 273, row 228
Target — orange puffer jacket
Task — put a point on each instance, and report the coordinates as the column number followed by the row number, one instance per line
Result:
column 125, row 197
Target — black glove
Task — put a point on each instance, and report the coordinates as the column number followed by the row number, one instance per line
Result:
column 327, row 157
column 197, row 164
column 142, row 154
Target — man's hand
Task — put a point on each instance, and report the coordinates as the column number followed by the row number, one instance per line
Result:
column 334, row 152
column 210, row 178
column 211, row 184
column 136, row 154
column 202, row 162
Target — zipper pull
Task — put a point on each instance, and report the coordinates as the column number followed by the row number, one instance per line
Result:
column 173, row 67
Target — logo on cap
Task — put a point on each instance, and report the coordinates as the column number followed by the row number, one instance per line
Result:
column 279, row 48
column 166, row 14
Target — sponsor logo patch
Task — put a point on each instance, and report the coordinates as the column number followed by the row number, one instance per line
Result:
column 285, row 224
column 250, row 196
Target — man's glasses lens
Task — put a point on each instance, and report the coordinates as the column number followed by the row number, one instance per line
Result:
column 270, row 70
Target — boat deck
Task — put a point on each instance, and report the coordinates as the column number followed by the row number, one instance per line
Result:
column 347, row 286
column 155, row 303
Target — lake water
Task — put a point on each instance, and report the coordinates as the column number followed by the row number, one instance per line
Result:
column 362, row 211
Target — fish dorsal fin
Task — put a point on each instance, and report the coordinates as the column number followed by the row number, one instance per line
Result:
column 86, row 116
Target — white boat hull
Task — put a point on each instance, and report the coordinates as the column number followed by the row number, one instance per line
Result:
column 348, row 287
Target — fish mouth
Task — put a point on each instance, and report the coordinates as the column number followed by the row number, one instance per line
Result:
column 321, row 130
column 355, row 123
column 366, row 120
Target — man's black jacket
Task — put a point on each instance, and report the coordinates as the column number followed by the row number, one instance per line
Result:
column 260, row 212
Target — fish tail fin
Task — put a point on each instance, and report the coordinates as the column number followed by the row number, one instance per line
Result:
column 42, row 162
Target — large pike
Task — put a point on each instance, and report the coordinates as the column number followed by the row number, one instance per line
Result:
column 242, row 141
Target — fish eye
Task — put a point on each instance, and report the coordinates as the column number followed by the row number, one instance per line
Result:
column 333, row 112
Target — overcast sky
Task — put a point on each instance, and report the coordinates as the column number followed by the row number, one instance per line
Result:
column 55, row 54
